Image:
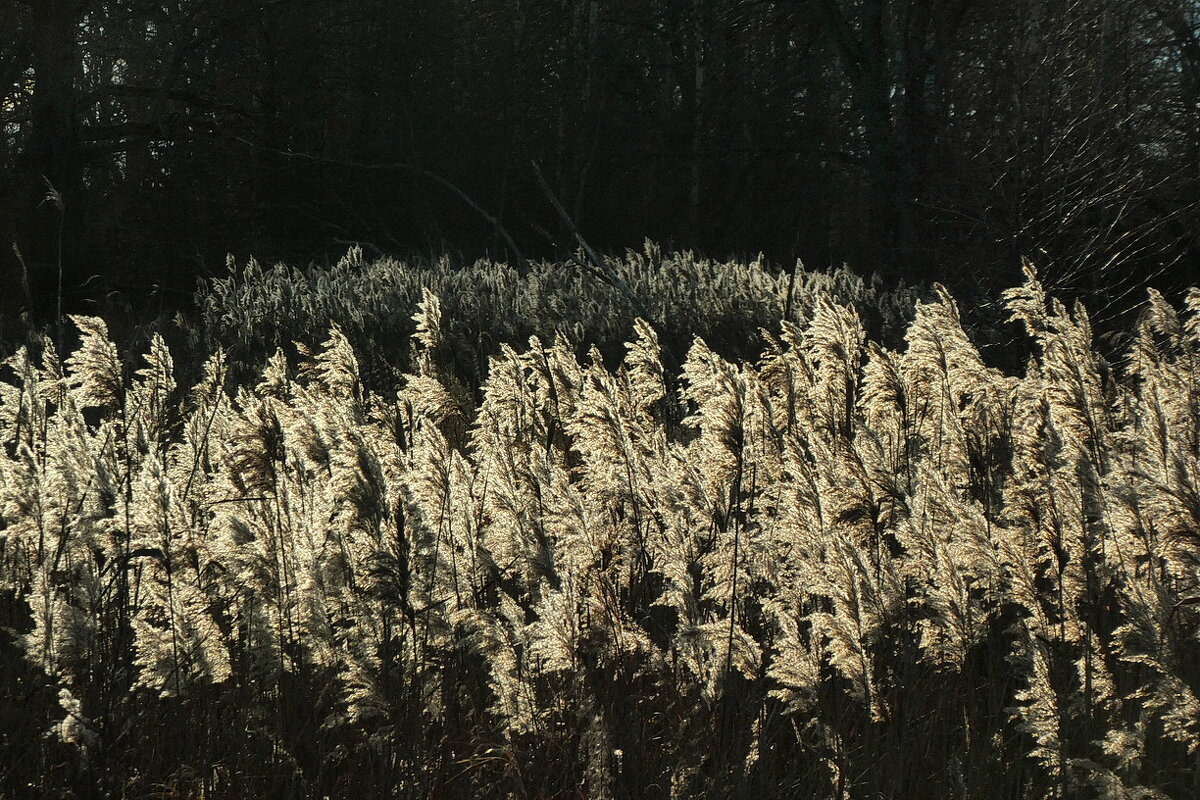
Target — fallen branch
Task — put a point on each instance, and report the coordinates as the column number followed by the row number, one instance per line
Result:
column 415, row 170
column 600, row 267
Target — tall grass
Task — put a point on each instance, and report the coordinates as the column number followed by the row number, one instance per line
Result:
column 487, row 304
column 850, row 571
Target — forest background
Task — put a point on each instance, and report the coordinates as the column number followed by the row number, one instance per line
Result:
column 141, row 142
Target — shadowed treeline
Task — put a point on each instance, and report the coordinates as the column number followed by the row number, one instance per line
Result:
column 925, row 139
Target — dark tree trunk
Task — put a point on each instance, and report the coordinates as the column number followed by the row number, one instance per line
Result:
column 864, row 52
column 54, row 160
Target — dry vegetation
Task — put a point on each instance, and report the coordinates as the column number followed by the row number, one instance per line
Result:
column 839, row 571
column 487, row 303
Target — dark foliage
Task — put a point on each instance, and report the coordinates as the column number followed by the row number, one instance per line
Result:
column 927, row 139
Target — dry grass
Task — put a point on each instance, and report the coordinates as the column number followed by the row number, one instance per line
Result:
column 850, row 572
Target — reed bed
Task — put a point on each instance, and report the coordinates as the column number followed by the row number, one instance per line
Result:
column 838, row 570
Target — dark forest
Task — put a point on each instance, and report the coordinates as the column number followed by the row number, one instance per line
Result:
column 944, row 140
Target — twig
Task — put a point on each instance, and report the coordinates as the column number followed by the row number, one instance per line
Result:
column 55, row 198
column 603, row 270
column 405, row 167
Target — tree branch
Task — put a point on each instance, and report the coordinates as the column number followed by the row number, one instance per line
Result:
column 602, row 269
column 401, row 166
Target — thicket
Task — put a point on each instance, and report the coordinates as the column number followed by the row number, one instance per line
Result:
column 851, row 571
